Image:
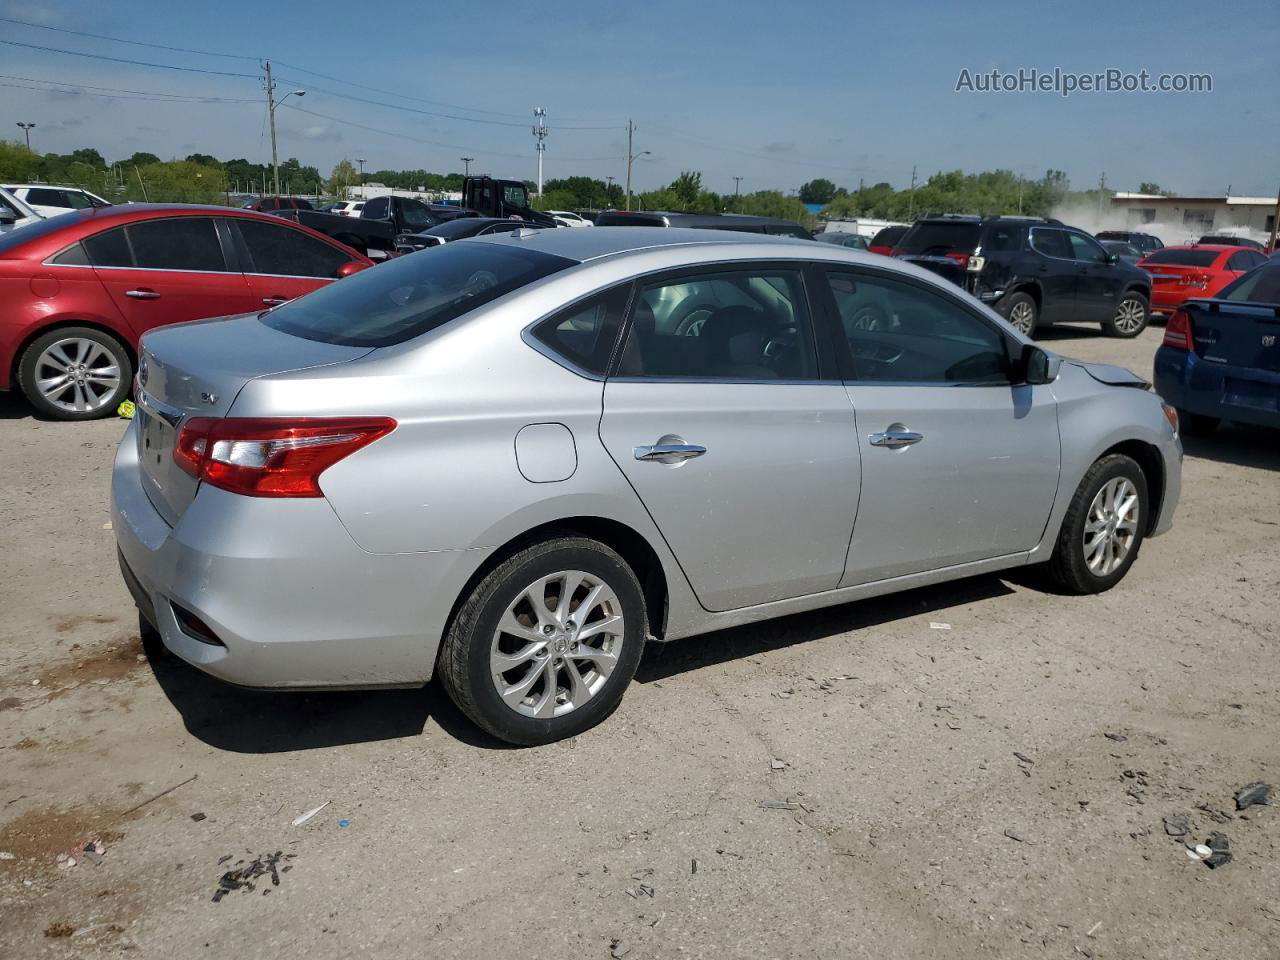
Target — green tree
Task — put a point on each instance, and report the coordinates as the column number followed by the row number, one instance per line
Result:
column 820, row 190
column 342, row 176
column 140, row 159
column 686, row 188
column 1154, row 189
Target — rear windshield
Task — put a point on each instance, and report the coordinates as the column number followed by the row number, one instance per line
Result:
column 939, row 239
column 1259, row 286
column 888, row 236
column 458, row 228
column 408, row 296
column 15, row 239
column 1184, row 258
column 628, row 220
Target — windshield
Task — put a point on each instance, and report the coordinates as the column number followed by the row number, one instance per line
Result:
column 410, row 295
column 1258, row 286
column 1183, row 258
column 939, row 239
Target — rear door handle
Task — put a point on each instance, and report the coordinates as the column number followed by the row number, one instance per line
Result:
column 274, row 301
column 142, row 294
column 895, row 438
column 665, row 452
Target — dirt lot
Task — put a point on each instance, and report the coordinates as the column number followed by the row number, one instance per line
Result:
column 940, row 793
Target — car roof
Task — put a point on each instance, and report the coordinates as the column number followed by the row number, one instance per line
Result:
column 693, row 220
column 584, row 245
column 42, row 186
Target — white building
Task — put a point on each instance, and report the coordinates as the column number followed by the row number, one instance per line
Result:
column 861, row 226
column 1178, row 220
column 368, row 191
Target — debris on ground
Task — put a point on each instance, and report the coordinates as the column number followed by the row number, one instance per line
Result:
column 303, row 818
column 778, row 805
column 619, row 949
column 1253, row 793
column 1217, row 816
column 1175, row 825
column 94, row 851
column 6, row 855
column 1012, row 835
column 933, row 625
column 344, row 823
column 245, row 877
column 197, row 817
column 59, row 930
column 1220, row 855
column 1117, row 737
column 776, row 764
column 162, row 793
column 1022, row 757
column 693, row 865
column 126, row 410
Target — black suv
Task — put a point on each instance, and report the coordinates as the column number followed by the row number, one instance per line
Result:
column 1032, row 271
column 1146, row 242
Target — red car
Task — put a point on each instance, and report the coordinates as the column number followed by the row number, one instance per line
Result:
column 1198, row 270
column 885, row 240
column 80, row 289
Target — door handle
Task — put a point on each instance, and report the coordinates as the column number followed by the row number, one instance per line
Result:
column 663, row 452
column 142, row 294
column 895, row 438
column 274, row 301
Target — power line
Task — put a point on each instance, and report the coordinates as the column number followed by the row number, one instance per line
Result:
column 136, row 63
column 136, row 43
column 116, row 96
column 147, row 93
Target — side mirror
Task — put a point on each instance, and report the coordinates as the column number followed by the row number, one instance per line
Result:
column 1113, row 259
column 8, row 217
column 1037, row 365
column 349, row 268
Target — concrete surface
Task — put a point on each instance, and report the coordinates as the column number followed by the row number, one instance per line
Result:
column 916, row 830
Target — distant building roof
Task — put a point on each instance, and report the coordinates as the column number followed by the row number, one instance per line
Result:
column 1121, row 197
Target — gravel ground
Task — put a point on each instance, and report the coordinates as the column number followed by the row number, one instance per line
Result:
column 844, row 783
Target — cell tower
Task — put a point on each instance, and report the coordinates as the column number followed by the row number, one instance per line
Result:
column 540, row 133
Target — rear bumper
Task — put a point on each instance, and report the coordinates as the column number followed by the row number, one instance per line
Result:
column 1166, row 302
column 292, row 599
column 1195, row 385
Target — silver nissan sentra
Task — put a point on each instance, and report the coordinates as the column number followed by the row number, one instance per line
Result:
column 511, row 461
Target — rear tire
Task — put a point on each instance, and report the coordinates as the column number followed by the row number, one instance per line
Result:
column 1100, row 536
column 75, row 373
column 512, row 659
column 1132, row 315
column 1196, row 424
column 1022, row 313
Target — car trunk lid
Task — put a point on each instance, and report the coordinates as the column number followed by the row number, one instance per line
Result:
column 197, row 370
column 1240, row 335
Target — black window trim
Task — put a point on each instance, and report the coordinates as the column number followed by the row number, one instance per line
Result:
column 848, row 368
column 1031, row 242
column 530, row 337
column 229, row 257
column 827, row 371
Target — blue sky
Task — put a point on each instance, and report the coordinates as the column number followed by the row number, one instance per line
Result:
column 774, row 93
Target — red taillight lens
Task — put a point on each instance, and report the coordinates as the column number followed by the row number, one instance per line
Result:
column 960, row 258
column 272, row 457
column 1197, row 281
column 1177, row 332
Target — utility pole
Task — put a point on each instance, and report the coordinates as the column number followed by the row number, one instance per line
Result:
column 631, row 127
column 360, row 160
column 467, row 161
column 1275, row 223
column 737, row 181
column 1102, row 190
column 540, row 133
column 272, row 103
column 911, row 201
column 27, row 128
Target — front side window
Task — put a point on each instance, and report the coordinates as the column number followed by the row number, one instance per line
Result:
column 1260, row 286
column 584, row 333
column 739, row 325
column 77, row 200
column 284, row 252
column 1051, row 243
column 1086, row 248
column 183, row 243
column 901, row 333
column 410, row 296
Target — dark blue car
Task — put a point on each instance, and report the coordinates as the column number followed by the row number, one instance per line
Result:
column 1220, row 359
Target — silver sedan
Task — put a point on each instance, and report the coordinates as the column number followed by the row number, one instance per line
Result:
column 512, row 461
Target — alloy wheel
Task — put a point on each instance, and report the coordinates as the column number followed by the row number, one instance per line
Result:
column 77, row 374
column 1023, row 317
column 1111, row 528
column 1130, row 316
column 556, row 644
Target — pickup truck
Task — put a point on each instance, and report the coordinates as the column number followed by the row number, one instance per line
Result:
column 385, row 218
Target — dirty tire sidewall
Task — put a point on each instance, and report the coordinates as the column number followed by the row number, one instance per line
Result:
column 464, row 655
column 1067, row 564
column 27, row 373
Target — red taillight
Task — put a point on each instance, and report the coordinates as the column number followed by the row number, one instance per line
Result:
column 960, row 258
column 1177, row 332
column 272, row 457
column 1196, row 280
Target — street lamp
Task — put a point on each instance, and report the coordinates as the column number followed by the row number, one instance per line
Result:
column 272, row 103
column 631, row 157
column 360, row 160
column 27, row 128
column 467, row 161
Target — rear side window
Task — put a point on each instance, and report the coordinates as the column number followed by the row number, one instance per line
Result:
column 410, row 296
column 73, row 256
column 379, row 208
column 930, row 239
column 584, row 333
column 1001, row 239
column 1260, row 286
column 44, row 197
column 109, row 249
column 1184, row 258
column 888, row 236
column 284, row 252
column 184, row 243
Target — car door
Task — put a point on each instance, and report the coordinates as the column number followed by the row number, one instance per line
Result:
column 739, row 444
column 168, row 271
column 959, row 464
column 282, row 262
column 1057, row 273
column 1099, row 280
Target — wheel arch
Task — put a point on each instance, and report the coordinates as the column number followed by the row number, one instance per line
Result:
column 1151, row 463
column 1032, row 289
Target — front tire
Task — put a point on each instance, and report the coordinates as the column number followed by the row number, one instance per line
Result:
column 75, row 373
column 1022, row 314
column 1103, row 528
column 543, row 647
column 1133, row 313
